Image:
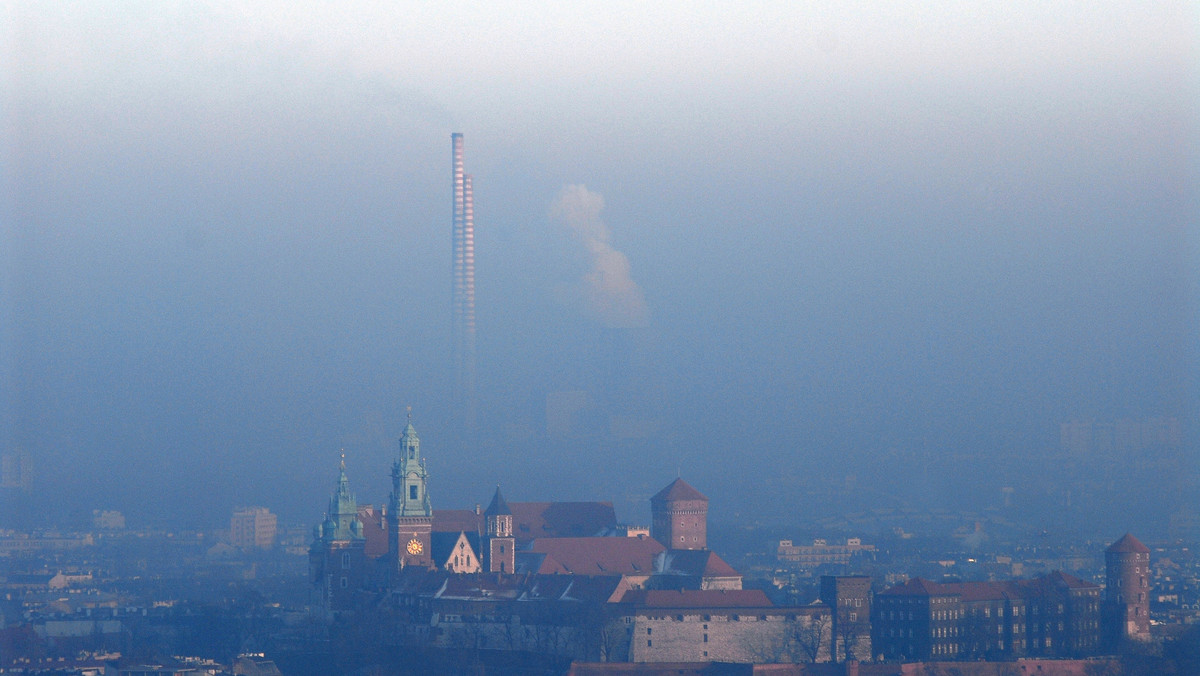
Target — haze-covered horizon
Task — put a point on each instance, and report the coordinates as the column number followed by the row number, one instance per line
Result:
column 773, row 249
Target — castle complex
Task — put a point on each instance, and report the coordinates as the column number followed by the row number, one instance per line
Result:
column 558, row 577
column 565, row 578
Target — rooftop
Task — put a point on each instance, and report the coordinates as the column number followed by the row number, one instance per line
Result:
column 678, row 490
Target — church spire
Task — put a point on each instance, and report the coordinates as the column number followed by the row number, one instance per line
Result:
column 341, row 522
column 409, row 494
column 498, row 517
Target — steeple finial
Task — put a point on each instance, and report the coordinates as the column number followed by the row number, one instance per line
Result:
column 343, row 460
column 409, row 409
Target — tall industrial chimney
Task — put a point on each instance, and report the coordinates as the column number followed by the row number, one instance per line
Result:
column 463, row 232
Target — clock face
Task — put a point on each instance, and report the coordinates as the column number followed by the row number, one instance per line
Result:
column 415, row 547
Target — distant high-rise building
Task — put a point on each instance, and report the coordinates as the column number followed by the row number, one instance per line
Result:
column 1127, row 591
column 463, row 302
column 106, row 519
column 679, row 517
column 16, row 471
column 252, row 527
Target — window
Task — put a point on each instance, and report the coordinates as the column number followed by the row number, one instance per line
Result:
column 648, row 643
column 412, row 492
column 706, row 638
column 345, row 559
column 649, row 630
column 345, row 583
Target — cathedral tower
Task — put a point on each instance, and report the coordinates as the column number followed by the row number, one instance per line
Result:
column 1127, row 591
column 337, row 560
column 410, row 512
column 499, row 544
column 679, row 517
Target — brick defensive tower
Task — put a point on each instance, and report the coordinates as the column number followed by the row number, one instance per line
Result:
column 1127, row 592
column 680, row 517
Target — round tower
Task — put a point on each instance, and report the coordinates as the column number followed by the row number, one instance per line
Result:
column 1127, row 590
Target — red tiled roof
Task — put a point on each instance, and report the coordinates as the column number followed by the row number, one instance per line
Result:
column 457, row 520
column 916, row 586
column 1127, row 544
column 698, row 598
column 539, row 563
column 986, row 591
column 561, row 519
column 678, row 490
column 601, row 556
column 533, row 520
column 694, row 562
column 1061, row 579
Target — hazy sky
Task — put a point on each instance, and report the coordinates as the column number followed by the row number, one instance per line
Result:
column 841, row 230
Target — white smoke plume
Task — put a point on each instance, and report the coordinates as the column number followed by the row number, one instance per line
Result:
column 609, row 292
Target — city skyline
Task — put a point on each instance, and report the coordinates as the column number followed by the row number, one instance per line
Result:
column 886, row 251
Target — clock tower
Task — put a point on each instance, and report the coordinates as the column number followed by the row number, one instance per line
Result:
column 410, row 512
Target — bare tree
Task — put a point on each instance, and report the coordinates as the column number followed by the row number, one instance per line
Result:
column 614, row 641
column 848, row 634
column 764, row 642
column 811, row 635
